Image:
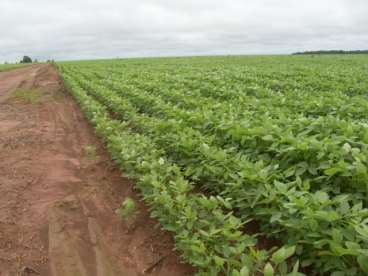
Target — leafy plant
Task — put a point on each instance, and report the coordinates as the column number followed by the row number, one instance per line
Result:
column 216, row 142
column 128, row 209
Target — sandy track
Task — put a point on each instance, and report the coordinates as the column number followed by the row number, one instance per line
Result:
column 57, row 204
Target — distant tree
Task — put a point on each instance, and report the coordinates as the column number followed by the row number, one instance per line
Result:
column 36, row 60
column 26, row 59
column 332, row 52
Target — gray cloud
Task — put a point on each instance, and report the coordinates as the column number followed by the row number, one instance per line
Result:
column 80, row 29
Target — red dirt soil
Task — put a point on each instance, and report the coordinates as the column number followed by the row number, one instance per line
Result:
column 57, row 202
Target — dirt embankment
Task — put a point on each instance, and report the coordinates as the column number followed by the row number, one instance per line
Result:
column 59, row 190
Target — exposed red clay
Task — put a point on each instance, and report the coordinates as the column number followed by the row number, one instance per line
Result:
column 57, row 204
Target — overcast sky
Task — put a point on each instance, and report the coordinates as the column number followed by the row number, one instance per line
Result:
column 84, row 29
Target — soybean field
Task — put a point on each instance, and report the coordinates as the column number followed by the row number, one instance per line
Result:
column 258, row 165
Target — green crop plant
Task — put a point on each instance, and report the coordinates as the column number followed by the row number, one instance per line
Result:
column 217, row 144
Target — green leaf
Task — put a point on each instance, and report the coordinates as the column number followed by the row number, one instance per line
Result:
column 275, row 217
column 363, row 262
column 346, row 147
column 219, row 261
column 295, row 271
column 278, row 256
column 282, row 254
column 321, row 196
column 332, row 171
column 299, row 171
column 338, row 273
column 235, row 273
column 362, row 230
column 268, row 270
column 282, row 268
column 267, row 138
column 161, row 161
column 296, row 267
column 336, row 235
column 290, row 251
column 244, row 271
column 281, row 187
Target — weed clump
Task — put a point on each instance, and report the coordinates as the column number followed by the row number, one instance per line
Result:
column 127, row 210
column 32, row 95
column 91, row 152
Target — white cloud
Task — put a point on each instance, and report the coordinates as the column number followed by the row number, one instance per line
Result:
column 76, row 29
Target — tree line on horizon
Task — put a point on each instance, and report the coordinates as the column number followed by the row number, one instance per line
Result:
column 28, row 59
column 331, row 52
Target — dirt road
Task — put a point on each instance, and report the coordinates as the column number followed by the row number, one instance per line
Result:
column 59, row 190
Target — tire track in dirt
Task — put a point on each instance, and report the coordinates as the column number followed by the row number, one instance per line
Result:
column 12, row 79
column 57, row 205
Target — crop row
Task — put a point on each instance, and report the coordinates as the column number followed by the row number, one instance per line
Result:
column 295, row 163
column 307, row 217
column 208, row 236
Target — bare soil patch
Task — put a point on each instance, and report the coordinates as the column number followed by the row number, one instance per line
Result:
column 57, row 205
